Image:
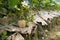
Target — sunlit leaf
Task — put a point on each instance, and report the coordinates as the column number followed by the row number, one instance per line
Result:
column 13, row 2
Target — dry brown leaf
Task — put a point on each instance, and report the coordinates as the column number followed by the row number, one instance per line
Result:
column 25, row 30
column 15, row 36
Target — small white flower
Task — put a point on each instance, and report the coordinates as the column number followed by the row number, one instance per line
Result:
column 16, row 7
column 25, row 4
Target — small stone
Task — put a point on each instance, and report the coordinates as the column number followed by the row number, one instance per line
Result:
column 22, row 23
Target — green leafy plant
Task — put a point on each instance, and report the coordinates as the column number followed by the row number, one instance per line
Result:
column 4, row 35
